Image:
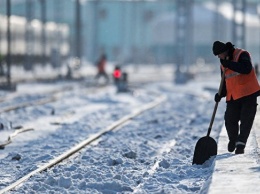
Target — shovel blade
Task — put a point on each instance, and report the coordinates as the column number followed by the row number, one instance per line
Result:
column 204, row 149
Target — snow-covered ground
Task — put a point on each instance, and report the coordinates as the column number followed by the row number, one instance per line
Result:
column 152, row 153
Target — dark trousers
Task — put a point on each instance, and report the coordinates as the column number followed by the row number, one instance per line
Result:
column 104, row 74
column 239, row 118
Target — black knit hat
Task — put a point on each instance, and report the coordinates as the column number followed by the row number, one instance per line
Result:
column 219, row 47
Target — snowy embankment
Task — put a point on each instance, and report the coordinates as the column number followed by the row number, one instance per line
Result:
column 152, row 153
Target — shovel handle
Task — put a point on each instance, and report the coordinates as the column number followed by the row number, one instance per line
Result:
column 216, row 105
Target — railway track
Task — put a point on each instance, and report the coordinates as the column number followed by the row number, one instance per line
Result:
column 45, row 98
column 136, row 155
column 96, row 138
column 89, row 140
column 166, row 145
column 7, row 102
column 22, row 100
column 10, row 102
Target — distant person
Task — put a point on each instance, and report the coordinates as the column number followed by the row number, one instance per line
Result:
column 101, row 65
column 120, row 79
column 117, row 74
column 241, row 90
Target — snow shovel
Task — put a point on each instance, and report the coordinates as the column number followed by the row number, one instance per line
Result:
column 207, row 146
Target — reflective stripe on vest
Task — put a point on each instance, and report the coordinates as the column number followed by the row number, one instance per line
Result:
column 231, row 75
column 236, row 54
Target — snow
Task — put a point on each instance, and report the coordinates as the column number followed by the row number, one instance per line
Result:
column 151, row 153
column 239, row 170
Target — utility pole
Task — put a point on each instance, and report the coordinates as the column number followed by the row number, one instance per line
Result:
column 239, row 27
column 8, row 85
column 184, row 32
column 58, row 18
column 8, row 43
column 184, row 39
column 78, row 38
column 28, row 35
column 95, row 29
column 43, row 16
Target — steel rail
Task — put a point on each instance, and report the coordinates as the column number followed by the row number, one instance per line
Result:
column 17, row 94
column 86, row 142
column 42, row 101
column 52, row 98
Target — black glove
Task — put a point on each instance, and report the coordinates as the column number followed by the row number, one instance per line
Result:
column 225, row 63
column 217, row 97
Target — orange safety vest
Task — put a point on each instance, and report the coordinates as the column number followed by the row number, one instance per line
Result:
column 240, row 85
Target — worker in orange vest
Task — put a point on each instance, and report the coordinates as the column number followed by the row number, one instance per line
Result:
column 241, row 89
column 101, row 64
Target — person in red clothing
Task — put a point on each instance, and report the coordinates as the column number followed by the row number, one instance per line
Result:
column 101, row 65
column 241, row 89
